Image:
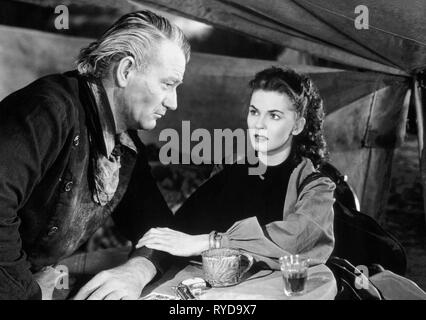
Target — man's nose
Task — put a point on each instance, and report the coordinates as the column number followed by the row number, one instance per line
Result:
column 170, row 101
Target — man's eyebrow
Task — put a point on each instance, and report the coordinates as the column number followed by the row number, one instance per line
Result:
column 174, row 80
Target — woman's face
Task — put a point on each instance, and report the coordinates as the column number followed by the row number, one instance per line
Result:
column 272, row 122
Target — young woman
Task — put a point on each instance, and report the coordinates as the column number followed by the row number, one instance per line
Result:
column 264, row 214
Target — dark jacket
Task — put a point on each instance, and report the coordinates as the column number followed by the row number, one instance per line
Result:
column 48, row 131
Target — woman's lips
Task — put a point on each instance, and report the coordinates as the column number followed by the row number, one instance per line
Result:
column 260, row 137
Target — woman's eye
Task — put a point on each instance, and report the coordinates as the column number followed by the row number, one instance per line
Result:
column 252, row 112
column 275, row 116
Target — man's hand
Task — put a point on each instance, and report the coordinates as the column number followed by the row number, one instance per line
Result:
column 174, row 242
column 125, row 282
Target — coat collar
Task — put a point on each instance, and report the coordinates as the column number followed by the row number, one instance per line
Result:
column 101, row 118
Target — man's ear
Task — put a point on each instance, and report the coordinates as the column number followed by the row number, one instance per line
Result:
column 299, row 126
column 123, row 69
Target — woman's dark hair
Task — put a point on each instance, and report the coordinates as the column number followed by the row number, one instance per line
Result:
column 307, row 102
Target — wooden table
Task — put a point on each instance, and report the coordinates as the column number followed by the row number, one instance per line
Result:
column 264, row 285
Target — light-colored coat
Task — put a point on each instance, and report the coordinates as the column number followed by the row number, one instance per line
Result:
column 306, row 228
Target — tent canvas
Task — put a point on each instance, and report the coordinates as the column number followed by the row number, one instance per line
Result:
column 394, row 43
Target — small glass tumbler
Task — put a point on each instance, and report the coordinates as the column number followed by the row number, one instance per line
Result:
column 294, row 271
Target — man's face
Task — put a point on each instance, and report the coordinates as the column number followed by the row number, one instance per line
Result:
column 151, row 92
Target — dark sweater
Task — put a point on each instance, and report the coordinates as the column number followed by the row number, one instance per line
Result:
column 233, row 195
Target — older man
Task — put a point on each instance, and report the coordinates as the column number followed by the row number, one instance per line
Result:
column 70, row 157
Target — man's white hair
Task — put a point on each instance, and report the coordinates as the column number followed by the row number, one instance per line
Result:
column 136, row 34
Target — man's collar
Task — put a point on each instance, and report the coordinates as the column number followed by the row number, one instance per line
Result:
column 127, row 141
column 106, row 120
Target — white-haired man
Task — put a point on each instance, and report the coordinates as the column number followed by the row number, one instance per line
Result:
column 70, row 157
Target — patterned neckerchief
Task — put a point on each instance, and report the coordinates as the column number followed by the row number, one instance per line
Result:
column 106, row 164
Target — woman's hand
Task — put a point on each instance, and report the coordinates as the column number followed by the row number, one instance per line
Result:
column 174, row 242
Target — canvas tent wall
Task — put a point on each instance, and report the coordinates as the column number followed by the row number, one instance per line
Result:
column 366, row 110
column 394, row 43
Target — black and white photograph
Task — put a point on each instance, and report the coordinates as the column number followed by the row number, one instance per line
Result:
column 220, row 152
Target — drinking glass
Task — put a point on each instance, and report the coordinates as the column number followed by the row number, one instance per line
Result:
column 294, row 271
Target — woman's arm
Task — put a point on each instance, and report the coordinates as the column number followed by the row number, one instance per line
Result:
column 307, row 230
column 193, row 223
column 174, row 242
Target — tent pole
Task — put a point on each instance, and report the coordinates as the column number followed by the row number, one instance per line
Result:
column 417, row 90
column 419, row 116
